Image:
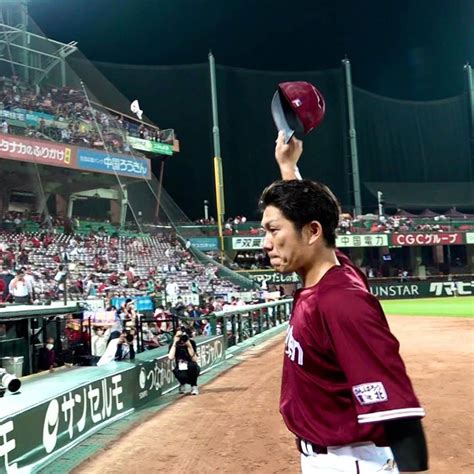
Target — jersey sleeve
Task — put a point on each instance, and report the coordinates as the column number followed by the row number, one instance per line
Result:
column 368, row 354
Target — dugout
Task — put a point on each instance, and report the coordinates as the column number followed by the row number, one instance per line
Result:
column 22, row 327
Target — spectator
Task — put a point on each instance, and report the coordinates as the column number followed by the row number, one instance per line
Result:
column 20, row 289
column 6, row 277
column 99, row 342
column 47, row 356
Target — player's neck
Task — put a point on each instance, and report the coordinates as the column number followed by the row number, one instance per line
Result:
column 320, row 264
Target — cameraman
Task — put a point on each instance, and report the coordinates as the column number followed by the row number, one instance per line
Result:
column 183, row 351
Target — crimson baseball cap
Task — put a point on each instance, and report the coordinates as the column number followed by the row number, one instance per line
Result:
column 297, row 107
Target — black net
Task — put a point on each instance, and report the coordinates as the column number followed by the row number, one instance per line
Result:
column 415, row 142
column 78, row 159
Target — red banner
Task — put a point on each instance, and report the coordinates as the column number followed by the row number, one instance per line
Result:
column 436, row 238
column 37, row 151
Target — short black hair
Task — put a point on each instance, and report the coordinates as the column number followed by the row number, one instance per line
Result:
column 303, row 201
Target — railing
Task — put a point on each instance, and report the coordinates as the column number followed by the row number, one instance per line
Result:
column 237, row 325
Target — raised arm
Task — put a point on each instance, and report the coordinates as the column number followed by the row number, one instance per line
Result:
column 287, row 156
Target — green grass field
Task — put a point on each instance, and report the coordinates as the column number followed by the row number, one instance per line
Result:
column 462, row 306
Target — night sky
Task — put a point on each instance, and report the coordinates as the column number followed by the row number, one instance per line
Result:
column 404, row 49
column 412, row 50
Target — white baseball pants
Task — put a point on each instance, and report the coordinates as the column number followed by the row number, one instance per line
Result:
column 354, row 459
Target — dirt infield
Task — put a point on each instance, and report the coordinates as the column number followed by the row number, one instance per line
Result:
column 234, row 425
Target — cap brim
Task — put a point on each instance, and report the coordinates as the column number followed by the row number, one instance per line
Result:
column 279, row 118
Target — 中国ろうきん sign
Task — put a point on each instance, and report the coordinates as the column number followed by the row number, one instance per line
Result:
column 124, row 165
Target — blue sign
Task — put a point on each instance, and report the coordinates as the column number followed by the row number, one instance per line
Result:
column 205, row 243
column 142, row 303
column 110, row 163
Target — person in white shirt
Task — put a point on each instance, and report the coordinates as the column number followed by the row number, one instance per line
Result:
column 20, row 289
column 99, row 341
column 30, row 281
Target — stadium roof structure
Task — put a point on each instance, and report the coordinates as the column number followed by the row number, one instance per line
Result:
column 35, row 55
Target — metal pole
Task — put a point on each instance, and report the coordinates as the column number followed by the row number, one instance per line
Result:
column 470, row 95
column 160, row 185
column 352, row 138
column 206, row 209
column 63, row 71
column 24, row 38
column 66, row 267
column 31, row 341
column 380, row 202
column 218, row 175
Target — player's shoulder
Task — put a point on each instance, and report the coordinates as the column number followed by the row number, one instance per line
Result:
column 348, row 301
column 343, row 291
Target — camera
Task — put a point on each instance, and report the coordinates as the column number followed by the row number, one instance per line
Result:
column 8, row 382
column 184, row 337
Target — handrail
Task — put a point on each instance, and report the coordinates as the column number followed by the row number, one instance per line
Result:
column 252, row 307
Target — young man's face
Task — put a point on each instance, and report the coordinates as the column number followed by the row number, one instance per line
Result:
column 283, row 243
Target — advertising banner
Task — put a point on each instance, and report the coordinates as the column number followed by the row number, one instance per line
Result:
column 435, row 238
column 103, row 162
column 155, row 377
column 150, row 146
column 247, row 243
column 37, row 151
column 470, row 238
column 31, row 435
column 101, row 317
column 422, row 289
column 271, row 277
column 28, row 437
column 205, row 243
column 142, row 303
column 369, row 240
column 31, row 119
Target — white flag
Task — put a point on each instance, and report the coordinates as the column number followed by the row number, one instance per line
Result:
column 135, row 108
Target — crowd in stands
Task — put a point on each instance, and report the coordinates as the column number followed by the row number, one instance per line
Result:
column 73, row 119
column 100, row 265
column 402, row 224
column 364, row 224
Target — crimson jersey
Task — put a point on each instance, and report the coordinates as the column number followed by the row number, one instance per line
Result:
column 342, row 371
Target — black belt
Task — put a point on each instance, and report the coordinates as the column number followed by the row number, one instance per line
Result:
column 308, row 449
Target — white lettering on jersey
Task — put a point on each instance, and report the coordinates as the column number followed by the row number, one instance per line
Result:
column 293, row 347
column 368, row 393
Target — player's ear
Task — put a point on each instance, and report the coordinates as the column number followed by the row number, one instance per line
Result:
column 314, row 231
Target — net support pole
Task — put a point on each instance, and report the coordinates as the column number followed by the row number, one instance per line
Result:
column 123, row 207
column 470, row 99
column 352, row 137
column 160, row 186
column 24, row 38
column 218, row 173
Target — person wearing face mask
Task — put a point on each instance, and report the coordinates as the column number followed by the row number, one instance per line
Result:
column 47, row 356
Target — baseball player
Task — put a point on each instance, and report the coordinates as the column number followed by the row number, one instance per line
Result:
column 345, row 392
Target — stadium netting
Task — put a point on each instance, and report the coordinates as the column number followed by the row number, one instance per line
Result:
column 73, row 147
